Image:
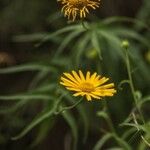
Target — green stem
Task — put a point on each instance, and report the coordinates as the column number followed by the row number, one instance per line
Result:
column 142, row 137
column 68, row 107
column 109, row 121
column 111, row 126
column 115, row 135
column 131, row 83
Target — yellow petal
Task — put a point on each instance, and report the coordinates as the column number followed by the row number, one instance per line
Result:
column 88, row 97
column 79, row 93
column 95, row 96
column 68, row 81
column 81, row 75
column 73, row 89
column 111, row 85
column 69, row 76
column 88, row 76
column 93, row 76
column 102, row 81
column 66, row 84
column 76, row 76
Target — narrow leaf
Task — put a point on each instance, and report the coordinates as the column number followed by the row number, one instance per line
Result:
column 26, row 67
column 102, row 141
column 72, row 123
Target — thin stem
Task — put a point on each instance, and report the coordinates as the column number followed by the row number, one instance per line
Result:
column 115, row 135
column 135, row 121
column 109, row 121
column 130, row 76
column 131, row 83
column 111, row 125
column 68, row 107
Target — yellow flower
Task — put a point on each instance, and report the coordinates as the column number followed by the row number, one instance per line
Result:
column 74, row 8
column 91, row 86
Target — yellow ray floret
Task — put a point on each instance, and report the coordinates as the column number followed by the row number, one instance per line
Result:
column 74, row 8
column 90, row 86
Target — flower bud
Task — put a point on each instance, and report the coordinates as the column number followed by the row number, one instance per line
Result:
column 91, row 53
column 125, row 44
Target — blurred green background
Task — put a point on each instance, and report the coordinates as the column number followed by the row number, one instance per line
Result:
column 37, row 44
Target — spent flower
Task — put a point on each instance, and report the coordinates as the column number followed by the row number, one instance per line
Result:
column 78, row 8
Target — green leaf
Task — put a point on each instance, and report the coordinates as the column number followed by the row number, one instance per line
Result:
column 122, row 143
column 34, row 123
column 128, row 33
column 30, row 37
column 123, row 82
column 27, row 67
column 63, row 30
column 82, row 115
column 39, row 76
column 142, row 145
column 81, row 47
column 144, row 100
column 113, row 40
column 95, row 43
column 127, row 133
column 15, row 107
column 73, row 125
column 102, row 141
column 103, row 115
column 43, row 131
column 67, row 40
column 27, row 97
column 84, row 119
column 39, row 119
column 46, row 88
column 135, row 138
column 137, row 126
column 115, row 148
column 116, row 19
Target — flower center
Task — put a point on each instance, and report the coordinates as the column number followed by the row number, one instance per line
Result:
column 78, row 3
column 87, row 87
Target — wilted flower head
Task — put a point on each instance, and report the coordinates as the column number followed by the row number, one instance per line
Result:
column 90, row 86
column 74, row 8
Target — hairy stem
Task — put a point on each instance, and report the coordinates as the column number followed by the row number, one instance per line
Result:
column 131, row 84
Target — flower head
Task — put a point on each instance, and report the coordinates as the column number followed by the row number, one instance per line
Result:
column 74, row 8
column 91, row 86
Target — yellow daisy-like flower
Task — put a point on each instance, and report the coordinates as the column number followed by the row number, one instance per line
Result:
column 91, row 86
column 74, row 8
